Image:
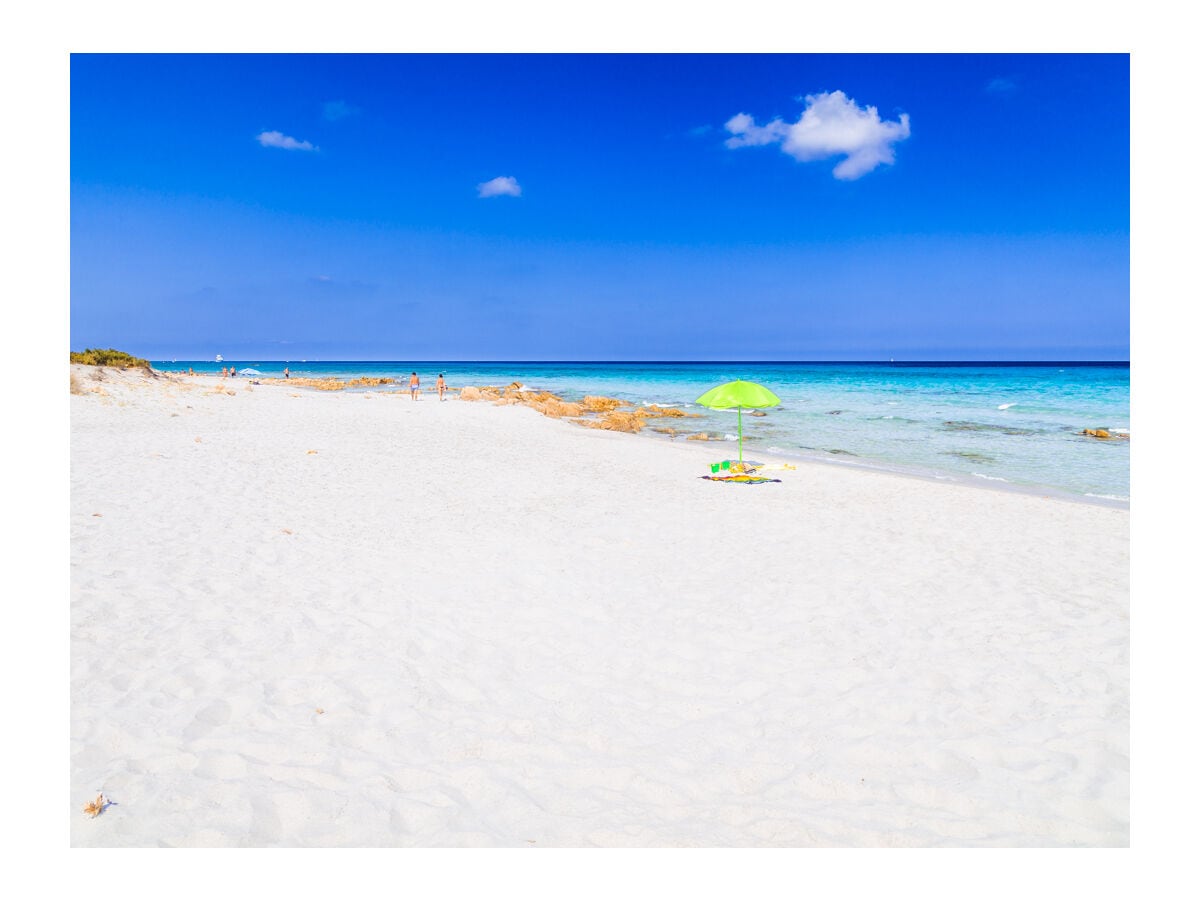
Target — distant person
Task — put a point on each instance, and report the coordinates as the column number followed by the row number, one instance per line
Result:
column 190, row 372
column 441, row 386
column 286, row 372
column 414, row 386
column 224, row 371
column 232, row 372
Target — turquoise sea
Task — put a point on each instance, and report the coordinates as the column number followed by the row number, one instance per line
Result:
column 1010, row 424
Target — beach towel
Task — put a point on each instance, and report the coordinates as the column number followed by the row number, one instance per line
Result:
column 739, row 479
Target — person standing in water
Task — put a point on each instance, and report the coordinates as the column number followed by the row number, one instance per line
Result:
column 287, row 373
column 441, row 386
column 414, row 385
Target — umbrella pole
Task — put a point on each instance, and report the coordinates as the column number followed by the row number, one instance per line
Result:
column 739, row 434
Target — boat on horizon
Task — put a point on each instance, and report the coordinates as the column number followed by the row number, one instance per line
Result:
column 219, row 358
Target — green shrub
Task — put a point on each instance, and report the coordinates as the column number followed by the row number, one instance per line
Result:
column 108, row 357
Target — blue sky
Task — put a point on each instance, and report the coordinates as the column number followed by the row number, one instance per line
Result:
column 601, row 207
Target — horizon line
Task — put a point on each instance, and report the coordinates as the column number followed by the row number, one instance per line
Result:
column 833, row 362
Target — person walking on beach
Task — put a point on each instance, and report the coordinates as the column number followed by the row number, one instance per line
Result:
column 441, row 386
column 287, row 373
column 414, row 385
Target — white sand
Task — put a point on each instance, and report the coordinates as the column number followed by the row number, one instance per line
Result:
column 524, row 633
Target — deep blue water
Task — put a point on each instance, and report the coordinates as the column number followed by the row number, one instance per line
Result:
column 1012, row 423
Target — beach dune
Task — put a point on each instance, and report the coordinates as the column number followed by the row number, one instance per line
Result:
column 303, row 618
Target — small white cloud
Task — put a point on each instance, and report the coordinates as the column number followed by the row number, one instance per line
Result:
column 747, row 134
column 831, row 125
column 338, row 109
column 504, row 186
column 282, row 141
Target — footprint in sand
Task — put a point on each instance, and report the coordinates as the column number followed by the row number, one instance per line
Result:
column 212, row 716
column 266, row 824
column 220, row 766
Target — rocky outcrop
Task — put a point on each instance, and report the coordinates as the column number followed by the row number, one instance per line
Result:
column 605, row 413
column 614, row 420
column 556, row 408
column 329, row 384
column 603, row 404
column 479, row 393
column 664, row 412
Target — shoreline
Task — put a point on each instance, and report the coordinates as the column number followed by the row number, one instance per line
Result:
column 882, row 468
column 936, row 476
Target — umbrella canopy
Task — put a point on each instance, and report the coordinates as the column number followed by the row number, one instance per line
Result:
column 740, row 394
column 745, row 394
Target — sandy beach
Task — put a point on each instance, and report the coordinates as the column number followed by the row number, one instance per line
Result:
column 335, row 619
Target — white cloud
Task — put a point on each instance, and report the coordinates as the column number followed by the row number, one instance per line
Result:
column 282, row 141
column 831, row 125
column 503, row 186
column 747, row 134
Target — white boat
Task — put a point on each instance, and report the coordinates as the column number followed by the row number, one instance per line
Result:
column 219, row 358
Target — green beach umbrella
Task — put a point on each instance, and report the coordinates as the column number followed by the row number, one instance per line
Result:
column 743, row 395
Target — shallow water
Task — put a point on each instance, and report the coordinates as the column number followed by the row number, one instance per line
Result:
column 1015, row 424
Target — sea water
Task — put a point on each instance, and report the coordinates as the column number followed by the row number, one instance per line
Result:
column 1003, row 424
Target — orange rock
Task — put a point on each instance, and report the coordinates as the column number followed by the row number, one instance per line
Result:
column 556, row 409
column 603, row 404
column 660, row 412
column 617, row 421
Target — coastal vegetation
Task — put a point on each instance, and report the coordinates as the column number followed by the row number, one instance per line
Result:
column 109, row 357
